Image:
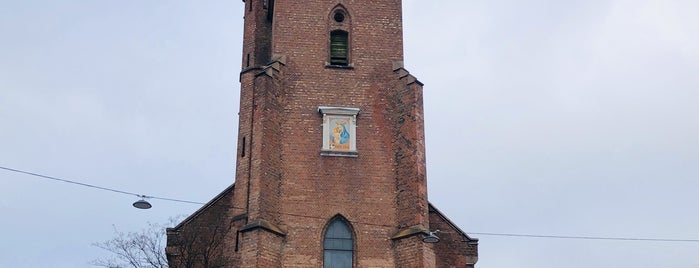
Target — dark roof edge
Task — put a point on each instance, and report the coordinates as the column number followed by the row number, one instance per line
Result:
column 204, row 207
column 432, row 208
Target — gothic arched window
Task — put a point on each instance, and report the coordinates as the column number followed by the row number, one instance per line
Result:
column 340, row 30
column 338, row 245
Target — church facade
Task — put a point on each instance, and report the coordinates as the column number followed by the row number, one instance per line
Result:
column 330, row 168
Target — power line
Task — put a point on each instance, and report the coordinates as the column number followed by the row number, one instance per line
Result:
column 97, row 187
column 588, row 237
column 365, row 223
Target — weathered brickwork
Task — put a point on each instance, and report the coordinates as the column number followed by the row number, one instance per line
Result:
column 456, row 248
column 286, row 191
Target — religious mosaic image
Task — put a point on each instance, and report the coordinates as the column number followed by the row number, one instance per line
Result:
column 339, row 133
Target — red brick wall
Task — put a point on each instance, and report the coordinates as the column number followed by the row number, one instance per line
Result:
column 203, row 239
column 260, row 248
column 412, row 252
column 454, row 249
column 283, row 180
column 368, row 190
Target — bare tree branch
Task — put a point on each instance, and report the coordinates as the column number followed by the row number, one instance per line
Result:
column 136, row 250
column 200, row 247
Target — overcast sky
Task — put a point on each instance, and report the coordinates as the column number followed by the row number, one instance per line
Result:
column 573, row 118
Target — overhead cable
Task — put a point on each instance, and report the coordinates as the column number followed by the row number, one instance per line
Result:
column 308, row 216
column 97, row 187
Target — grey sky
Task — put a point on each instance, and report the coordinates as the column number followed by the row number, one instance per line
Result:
column 542, row 117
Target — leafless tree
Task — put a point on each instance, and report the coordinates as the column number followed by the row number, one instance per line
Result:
column 144, row 249
column 200, row 247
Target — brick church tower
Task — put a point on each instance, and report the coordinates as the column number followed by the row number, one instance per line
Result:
column 331, row 155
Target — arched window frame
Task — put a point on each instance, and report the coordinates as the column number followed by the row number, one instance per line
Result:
column 339, row 38
column 338, row 246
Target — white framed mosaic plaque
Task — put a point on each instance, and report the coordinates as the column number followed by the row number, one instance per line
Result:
column 339, row 131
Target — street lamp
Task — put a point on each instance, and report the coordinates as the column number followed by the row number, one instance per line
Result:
column 431, row 237
column 142, row 204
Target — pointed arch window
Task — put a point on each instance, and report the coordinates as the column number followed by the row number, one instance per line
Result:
column 339, row 48
column 338, row 245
